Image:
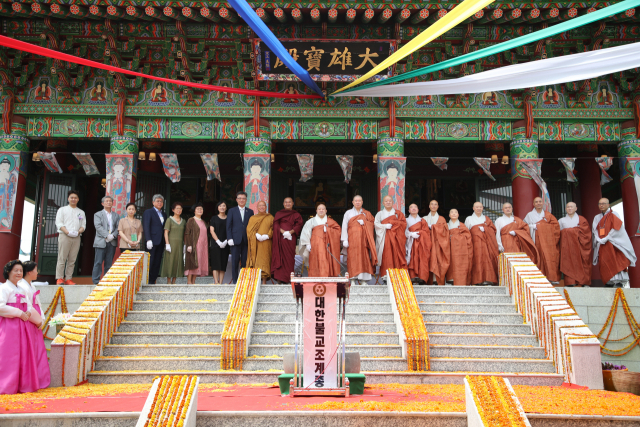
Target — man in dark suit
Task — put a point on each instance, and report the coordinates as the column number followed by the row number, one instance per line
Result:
column 153, row 229
column 106, row 223
column 237, row 220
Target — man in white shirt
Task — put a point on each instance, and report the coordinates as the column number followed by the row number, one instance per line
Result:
column 106, row 224
column 71, row 223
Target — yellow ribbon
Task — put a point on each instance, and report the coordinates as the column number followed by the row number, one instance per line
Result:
column 461, row 12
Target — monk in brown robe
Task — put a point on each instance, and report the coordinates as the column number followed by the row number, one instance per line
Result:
column 512, row 234
column 321, row 235
column 440, row 244
column 484, row 268
column 461, row 251
column 545, row 232
column 418, row 246
column 286, row 229
column 359, row 242
column 390, row 225
column 576, row 252
column 259, row 232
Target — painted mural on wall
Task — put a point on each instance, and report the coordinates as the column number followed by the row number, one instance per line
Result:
column 119, row 169
column 9, row 173
column 391, row 178
column 257, row 169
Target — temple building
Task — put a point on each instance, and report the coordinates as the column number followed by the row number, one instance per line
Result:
column 125, row 125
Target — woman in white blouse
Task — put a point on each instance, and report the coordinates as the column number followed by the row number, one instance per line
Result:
column 22, row 360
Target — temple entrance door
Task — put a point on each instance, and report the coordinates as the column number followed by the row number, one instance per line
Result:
column 54, row 196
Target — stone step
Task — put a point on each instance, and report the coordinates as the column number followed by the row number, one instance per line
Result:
column 206, row 280
column 213, row 364
column 289, row 327
column 479, row 290
column 501, row 318
column 165, row 338
column 223, row 289
column 280, row 338
column 353, row 298
column 491, row 365
column 477, row 328
column 171, row 326
column 279, row 316
column 175, row 315
column 155, row 350
column 352, row 307
column 483, row 339
column 465, row 298
column 364, row 350
column 184, row 296
column 485, row 308
column 487, row 352
column 180, row 305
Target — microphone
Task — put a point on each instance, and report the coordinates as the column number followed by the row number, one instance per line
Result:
column 329, row 251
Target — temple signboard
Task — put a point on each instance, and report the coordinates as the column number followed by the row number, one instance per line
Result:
column 325, row 60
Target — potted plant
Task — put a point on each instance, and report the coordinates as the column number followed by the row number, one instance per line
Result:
column 59, row 321
column 618, row 378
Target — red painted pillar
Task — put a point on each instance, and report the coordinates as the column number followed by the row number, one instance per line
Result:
column 524, row 189
column 588, row 174
column 15, row 148
column 630, row 147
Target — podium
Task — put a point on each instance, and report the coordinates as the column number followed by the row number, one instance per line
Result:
column 320, row 336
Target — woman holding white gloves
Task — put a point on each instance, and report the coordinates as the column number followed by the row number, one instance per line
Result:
column 219, row 246
column 196, row 242
column 173, row 260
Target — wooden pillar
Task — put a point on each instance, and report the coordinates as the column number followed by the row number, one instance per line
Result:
column 524, row 189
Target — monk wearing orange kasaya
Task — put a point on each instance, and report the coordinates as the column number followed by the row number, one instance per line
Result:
column 320, row 244
column 359, row 243
column 512, row 234
column 576, row 252
column 461, row 251
column 440, row 244
column 390, row 225
column 418, row 246
column 545, row 232
column 484, row 269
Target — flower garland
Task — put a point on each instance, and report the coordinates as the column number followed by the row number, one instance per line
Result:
column 171, row 401
column 51, row 310
column 415, row 331
column 496, row 402
column 234, row 334
column 631, row 321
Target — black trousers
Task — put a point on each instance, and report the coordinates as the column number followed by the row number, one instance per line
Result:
column 238, row 259
column 155, row 262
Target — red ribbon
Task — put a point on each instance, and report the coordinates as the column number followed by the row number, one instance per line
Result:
column 37, row 50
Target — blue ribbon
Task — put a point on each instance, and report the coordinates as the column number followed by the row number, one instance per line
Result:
column 249, row 15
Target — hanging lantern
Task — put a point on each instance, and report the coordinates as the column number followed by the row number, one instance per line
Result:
column 104, row 182
column 505, row 160
column 375, row 158
column 142, row 156
column 36, row 157
column 494, row 159
column 152, row 157
column 273, row 157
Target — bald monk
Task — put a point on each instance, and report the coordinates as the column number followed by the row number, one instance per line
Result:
column 259, row 231
column 484, row 269
column 545, row 232
column 320, row 235
column 576, row 251
column 359, row 240
column 461, row 251
column 512, row 234
column 418, row 246
column 390, row 225
column 612, row 247
column 286, row 228
column 440, row 244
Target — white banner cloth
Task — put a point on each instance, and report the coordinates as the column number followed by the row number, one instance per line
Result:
column 320, row 360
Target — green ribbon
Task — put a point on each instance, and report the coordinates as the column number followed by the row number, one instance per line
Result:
column 510, row 44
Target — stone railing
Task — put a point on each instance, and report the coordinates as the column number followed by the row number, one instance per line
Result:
column 75, row 349
column 574, row 349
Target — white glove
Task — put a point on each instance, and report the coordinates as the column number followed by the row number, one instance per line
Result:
column 500, row 248
column 290, row 237
column 286, row 235
column 110, row 237
column 73, row 234
column 533, row 226
column 167, row 248
column 149, row 244
column 414, row 234
column 230, row 242
column 308, row 248
column 388, row 226
column 361, row 222
column 220, row 244
column 345, row 243
column 189, row 249
column 224, row 244
column 513, row 233
column 481, row 228
column 259, row 237
column 265, row 237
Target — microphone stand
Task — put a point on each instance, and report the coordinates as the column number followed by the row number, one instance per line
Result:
column 329, row 251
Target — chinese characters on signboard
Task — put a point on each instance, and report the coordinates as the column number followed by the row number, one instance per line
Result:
column 337, row 60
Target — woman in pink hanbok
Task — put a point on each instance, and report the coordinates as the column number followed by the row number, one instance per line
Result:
column 19, row 357
column 36, row 321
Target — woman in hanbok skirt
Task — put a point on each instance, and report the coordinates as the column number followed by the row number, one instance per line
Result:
column 20, row 360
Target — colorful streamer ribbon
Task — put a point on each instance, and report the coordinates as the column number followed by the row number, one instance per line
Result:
column 346, row 163
column 634, row 162
column 87, row 163
column 305, row 161
column 440, row 162
column 534, row 169
column 255, row 22
column 604, row 163
column 171, row 167
column 455, row 16
column 37, row 50
column 210, row 162
column 510, row 44
column 570, row 165
column 49, row 160
column 485, row 164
